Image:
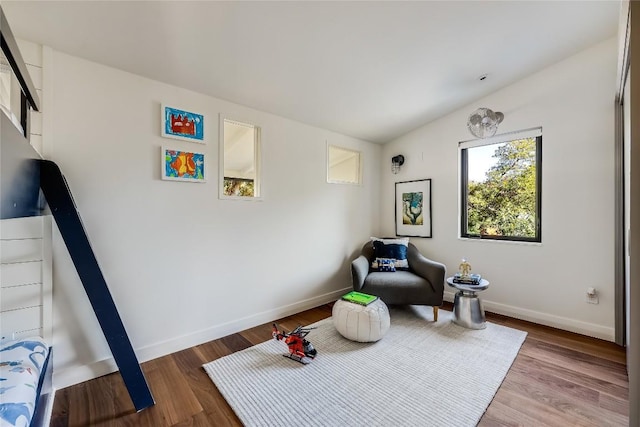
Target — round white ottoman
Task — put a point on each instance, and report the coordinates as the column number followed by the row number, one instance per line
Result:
column 359, row 322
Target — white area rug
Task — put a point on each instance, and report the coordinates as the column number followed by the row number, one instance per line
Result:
column 420, row 374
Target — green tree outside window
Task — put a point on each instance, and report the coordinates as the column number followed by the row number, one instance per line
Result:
column 505, row 204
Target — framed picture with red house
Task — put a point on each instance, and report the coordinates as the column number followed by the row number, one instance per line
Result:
column 181, row 124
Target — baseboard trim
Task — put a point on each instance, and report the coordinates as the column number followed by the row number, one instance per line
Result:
column 559, row 322
column 64, row 378
column 70, row 376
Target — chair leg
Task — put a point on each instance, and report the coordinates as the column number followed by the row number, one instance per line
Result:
column 435, row 314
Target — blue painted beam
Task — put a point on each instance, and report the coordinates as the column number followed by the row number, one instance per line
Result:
column 58, row 196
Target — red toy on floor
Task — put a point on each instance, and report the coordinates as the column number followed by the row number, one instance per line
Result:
column 300, row 349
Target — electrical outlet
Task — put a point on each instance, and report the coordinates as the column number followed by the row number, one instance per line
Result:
column 592, row 296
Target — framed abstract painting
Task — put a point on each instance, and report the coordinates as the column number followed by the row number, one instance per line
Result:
column 180, row 165
column 181, row 124
column 413, row 208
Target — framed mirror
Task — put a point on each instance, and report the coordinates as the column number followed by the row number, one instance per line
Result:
column 239, row 160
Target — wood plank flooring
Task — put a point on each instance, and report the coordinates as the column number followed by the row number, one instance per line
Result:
column 558, row 379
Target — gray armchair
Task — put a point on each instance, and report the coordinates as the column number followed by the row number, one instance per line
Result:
column 423, row 284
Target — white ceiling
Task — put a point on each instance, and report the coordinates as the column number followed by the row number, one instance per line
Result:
column 372, row 70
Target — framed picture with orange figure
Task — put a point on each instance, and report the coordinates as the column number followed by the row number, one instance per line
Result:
column 178, row 165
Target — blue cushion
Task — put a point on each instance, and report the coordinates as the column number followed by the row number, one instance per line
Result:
column 395, row 249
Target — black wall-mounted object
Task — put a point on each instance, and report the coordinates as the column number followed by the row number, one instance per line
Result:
column 67, row 217
column 399, row 159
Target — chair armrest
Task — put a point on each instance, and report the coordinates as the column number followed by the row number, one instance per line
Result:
column 359, row 271
column 432, row 271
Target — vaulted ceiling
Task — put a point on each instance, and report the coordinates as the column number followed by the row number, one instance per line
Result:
column 372, row 70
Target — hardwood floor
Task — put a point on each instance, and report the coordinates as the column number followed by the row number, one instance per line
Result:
column 558, row 379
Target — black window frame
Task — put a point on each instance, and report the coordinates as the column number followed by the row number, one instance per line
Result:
column 464, row 188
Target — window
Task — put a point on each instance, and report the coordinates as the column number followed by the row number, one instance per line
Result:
column 343, row 166
column 239, row 160
column 501, row 186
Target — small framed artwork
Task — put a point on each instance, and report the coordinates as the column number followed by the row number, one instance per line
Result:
column 185, row 166
column 413, row 208
column 181, row 124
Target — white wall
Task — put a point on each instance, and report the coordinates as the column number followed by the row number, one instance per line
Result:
column 184, row 275
column 183, row 266
column 573, row 101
